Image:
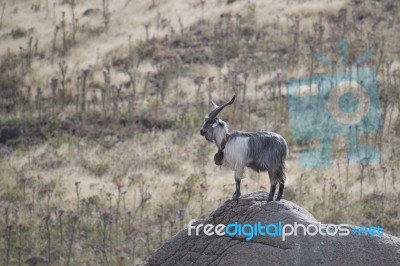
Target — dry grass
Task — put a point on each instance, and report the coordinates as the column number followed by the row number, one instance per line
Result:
column 149, row 150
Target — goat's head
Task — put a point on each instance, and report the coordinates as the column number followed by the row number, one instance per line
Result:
column 212, row 122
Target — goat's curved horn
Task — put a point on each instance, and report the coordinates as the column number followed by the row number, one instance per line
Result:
column 218, row 109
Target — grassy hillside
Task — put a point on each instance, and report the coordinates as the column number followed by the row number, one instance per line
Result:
column 101, row 103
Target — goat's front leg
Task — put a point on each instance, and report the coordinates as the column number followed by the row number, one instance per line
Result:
column 238, row 178
column 237, row 193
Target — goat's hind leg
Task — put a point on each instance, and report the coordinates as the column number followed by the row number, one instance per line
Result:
column 281, row 177
column 273, row 181
column 280, row 192
column 271, row 192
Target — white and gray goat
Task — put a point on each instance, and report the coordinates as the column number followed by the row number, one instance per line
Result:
column 260, row 151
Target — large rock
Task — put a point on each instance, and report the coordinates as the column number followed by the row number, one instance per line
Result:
column 352, row 249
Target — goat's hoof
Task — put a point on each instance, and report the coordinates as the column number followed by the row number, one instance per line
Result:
column 270, row 199
column 236, row 196
column 278, row 199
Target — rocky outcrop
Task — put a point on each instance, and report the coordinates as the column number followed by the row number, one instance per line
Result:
column 352, row 249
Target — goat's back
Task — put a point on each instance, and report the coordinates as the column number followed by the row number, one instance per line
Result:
column 266, row 151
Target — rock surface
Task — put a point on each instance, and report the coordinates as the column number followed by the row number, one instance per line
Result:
column 354, row 250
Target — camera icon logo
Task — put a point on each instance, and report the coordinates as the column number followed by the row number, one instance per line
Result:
column 337, row 104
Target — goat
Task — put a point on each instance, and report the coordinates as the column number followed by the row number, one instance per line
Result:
column 259, row 151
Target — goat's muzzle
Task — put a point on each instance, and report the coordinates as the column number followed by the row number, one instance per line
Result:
column 202, row 132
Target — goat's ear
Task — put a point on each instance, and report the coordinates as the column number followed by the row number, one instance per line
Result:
column 217, row 122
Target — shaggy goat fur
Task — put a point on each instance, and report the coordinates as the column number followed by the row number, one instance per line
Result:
column 260, row 151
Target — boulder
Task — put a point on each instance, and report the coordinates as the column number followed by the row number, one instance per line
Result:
column 352, row 249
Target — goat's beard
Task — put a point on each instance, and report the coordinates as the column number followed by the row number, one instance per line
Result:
column 208, row 138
